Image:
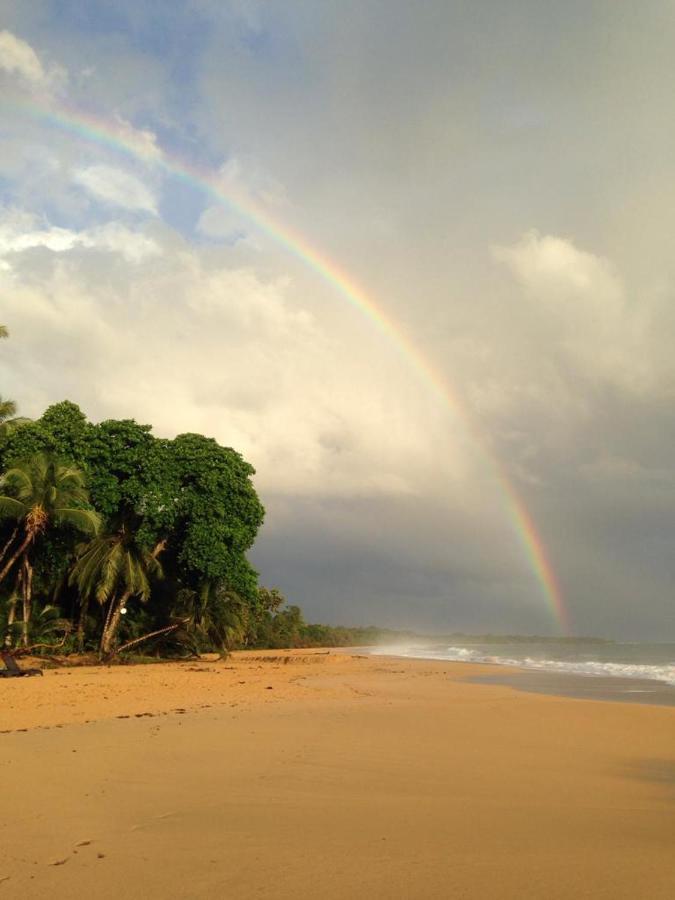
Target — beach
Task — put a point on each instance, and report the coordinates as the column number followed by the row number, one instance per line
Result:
column 293, row 774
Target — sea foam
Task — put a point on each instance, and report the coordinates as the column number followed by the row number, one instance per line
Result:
column 592, row 667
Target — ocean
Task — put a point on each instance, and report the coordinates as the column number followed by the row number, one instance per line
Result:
column 635, row 671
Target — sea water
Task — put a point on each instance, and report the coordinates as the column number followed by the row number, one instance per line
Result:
column 644, row 661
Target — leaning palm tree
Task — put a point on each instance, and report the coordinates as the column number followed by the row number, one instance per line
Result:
column 113, row 569
column 39, row 493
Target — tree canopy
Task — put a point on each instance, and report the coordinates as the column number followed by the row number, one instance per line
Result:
column 185, row 507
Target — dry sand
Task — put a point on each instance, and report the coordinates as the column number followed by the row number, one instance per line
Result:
column 328, row 776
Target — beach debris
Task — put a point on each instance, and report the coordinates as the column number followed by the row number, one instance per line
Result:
column 59, row 862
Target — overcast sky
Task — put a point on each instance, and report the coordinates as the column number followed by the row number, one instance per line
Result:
column 499, row 177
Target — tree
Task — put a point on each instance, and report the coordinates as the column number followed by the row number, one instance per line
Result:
column 217, row 515
column 113, row 569
column 39, row 493
column 189, row 494
column 7, row 407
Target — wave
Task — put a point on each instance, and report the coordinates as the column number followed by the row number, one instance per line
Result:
column 597, row 668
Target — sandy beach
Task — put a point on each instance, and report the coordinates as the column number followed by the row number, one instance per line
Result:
column 313, row 774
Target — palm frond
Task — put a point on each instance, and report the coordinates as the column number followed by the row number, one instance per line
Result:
column 17, row 482
column 86, row 520
column 7, row 409
column 11, row 508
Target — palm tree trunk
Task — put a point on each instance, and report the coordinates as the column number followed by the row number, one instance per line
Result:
column 112, row 623
column 81, row 621
column 24, row 546
column 11, row 611
column 9, row 543
column 146, row 637
column 159, row 548
column 27, row 600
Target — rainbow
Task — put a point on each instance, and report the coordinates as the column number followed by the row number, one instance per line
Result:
column 119, row 136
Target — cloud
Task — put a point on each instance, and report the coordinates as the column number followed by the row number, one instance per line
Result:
column 250, row 187
column 21, row 232
column 19, row 59
column 586, row 304
column 116, row 188
column 143, row 140
column 233, row 355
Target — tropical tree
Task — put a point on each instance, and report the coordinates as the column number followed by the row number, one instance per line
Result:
column 38, row 494
column 7, row 409
column 113, row 569
column 8, row 417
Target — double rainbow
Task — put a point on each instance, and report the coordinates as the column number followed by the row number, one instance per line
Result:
column 120, row 137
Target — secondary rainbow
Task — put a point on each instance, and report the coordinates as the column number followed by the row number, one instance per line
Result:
column 140, row 145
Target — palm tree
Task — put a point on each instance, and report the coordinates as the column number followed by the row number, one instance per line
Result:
column 215, row 615
column 8, row 418
column 39, row 493
column 113, row 569
column 7, row 409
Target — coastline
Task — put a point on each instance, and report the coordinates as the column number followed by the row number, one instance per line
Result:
column 616, row 689
column 330, row 774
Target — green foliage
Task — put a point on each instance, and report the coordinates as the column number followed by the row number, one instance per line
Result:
column 217, row 513
column 186, row 506
column 114, row 564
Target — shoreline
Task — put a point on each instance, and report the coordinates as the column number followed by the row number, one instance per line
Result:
column 295, row 774
column 580, row 686
column 132, row 690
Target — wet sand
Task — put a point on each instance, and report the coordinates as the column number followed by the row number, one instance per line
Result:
column 329, row 776
column 588, row 687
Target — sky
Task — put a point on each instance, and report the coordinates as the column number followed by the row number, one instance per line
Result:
column 497, row 182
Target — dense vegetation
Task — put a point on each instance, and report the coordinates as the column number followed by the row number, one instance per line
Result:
column 111, row 538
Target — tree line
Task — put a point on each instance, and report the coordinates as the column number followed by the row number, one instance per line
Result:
column 111, row 537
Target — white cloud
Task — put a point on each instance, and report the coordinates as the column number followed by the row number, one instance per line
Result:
column 190, row 346
column 585, row 304
column 19, row 59
column 20, row 232
column 142, row 140
column 117, row 188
